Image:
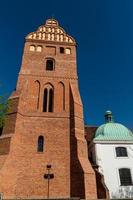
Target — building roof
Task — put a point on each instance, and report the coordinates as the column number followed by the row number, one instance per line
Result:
column 111, row 131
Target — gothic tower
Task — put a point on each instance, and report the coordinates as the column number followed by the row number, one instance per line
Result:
column 45, row 124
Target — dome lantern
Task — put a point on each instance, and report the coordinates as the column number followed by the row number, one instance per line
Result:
column 108, row 116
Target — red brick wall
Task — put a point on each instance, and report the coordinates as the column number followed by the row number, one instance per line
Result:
column 65, row 147
column 4, row 146
column 90, row 132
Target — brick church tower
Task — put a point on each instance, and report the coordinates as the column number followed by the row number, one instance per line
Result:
column 45, row 125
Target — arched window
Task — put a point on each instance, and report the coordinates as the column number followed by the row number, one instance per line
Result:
column 121, row 151
column 61, row 49
column 45, row 98
column 40, row 144
column 50, row 64
column 48, row 98
column 125, row 176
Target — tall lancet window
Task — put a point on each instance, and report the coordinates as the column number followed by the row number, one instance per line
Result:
column 50, row 108
column 48, row 98
column 40, row 146
column 45, row 100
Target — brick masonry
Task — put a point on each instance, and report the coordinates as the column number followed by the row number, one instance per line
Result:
column 22, row 168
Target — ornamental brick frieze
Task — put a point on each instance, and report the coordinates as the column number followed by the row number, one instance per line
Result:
column 51, row 31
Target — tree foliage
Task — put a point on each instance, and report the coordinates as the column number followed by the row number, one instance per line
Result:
column 4, row 108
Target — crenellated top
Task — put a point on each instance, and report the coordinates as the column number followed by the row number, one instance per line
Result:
column 51, row 31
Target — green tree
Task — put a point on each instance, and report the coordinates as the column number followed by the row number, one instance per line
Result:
column 4, row 108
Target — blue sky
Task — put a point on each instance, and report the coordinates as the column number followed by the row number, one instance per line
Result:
column 103, row 30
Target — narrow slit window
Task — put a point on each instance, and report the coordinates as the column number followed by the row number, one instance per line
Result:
column 40, row 144
column 45, row 100
column 50, row 100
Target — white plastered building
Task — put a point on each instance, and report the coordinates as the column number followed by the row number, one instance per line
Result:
column 112, row 151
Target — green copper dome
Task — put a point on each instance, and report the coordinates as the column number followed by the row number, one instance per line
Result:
column 111, row 131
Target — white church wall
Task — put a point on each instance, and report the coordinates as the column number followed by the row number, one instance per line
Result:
column 109, row 165
column 92, row 153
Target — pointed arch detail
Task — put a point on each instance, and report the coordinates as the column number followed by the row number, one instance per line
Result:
column 38, row 92
column 61, row 88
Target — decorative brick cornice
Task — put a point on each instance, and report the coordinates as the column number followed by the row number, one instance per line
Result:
column 51, row 32
column 50, row 42
column 46, row 76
